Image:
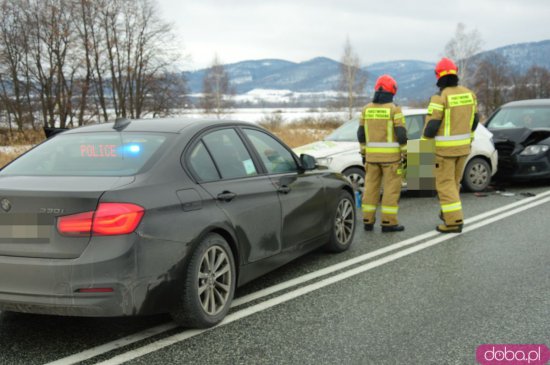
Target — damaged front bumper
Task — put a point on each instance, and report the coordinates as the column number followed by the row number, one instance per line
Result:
column 513, row 166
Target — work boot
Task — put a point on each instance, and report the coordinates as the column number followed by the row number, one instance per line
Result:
column 394, row 228
column 443, row 228
column 368, row 226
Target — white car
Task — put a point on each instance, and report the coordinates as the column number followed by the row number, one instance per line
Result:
column 339, row 151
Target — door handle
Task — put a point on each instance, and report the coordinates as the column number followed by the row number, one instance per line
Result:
column 284, row 189
column 226, row 196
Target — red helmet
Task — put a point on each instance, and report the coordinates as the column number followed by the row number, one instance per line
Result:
column 445, row 67
column 386, row 83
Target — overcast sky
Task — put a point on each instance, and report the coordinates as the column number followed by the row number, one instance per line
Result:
column 386, row 30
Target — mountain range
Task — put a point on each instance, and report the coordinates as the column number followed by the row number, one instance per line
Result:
column 415, row 78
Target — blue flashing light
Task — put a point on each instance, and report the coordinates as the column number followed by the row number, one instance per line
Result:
column 131, row 149
column 134, row 148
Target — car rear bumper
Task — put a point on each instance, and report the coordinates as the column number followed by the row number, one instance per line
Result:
column 139, row 283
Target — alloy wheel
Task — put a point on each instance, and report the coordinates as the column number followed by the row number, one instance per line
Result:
column 344, row 222
column 215, row 280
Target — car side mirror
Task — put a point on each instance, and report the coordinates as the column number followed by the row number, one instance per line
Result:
column 308, row 162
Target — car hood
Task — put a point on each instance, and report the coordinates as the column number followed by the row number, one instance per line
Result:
column 326, row 148
column 524, row 136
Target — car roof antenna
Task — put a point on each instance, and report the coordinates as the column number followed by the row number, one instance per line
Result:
column 121, row 123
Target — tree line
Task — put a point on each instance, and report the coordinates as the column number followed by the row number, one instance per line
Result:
column 72, row 62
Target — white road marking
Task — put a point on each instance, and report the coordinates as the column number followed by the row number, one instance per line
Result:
column 153, row 331
column 147, row 349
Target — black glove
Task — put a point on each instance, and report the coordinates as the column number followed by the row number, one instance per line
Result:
column 363, row 159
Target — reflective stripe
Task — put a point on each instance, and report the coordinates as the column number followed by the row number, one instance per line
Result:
column 389, row 210
column 447, row 131
column 389, row 131
column 449, row 72
column 464, row 142
column 398, row 116
column 383, row 147
column 366, row 131
column 455, row 137
column 367, row 208
column 434, row 106
column 382, row 144
column 460, row 99
column 377, row 113
column 383, row 150
column 453, row 141
column 453, row 207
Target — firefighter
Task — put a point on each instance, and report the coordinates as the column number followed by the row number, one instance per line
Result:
column 383, row 139
column 451, row 121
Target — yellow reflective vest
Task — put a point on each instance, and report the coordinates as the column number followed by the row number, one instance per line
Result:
column 379, row 121
column 455, row 107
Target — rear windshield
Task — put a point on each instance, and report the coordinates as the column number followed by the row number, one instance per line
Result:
column 520, row 117
column 89, row 154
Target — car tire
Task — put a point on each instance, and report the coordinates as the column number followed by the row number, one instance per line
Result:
column 356, row 176
column 208, row 286
column 343, row 224
column 477, row 175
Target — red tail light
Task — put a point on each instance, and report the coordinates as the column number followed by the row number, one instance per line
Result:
column 76, row 225
column 107, row 220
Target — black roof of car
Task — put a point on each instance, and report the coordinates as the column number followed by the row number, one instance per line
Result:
column 167, row 125
column 529, row 102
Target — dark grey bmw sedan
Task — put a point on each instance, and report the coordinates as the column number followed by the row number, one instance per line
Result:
column 161, row 215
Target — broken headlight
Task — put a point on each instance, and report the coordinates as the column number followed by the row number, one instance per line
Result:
column 534, row 150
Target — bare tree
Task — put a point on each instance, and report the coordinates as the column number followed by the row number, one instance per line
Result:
column 352, row 78
column 461, row 47
column 493, row 82
column 15, row 82
column 217, row 93
column 136, row 41
column 67, row 62
column 535, row 84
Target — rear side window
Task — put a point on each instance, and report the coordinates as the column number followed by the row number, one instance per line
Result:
column 89, row 154
column 202, row 164
column 229, row 153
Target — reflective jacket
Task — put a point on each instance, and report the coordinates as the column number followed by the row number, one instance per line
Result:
column 379, row 122
column 455, row 108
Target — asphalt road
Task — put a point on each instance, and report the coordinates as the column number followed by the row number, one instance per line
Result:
column 413, row 297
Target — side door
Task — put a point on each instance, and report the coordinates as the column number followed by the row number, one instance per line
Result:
column 223, row 166
column 302, row 194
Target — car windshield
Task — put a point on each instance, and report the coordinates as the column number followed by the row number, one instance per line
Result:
column 88, row 154
column 520, row 117
column 347, row 132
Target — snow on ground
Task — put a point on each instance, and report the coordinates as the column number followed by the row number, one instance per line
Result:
column 14, row 149
column 255, row 115
column 259, row 96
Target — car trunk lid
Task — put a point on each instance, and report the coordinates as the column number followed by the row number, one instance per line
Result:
column 31, row 205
